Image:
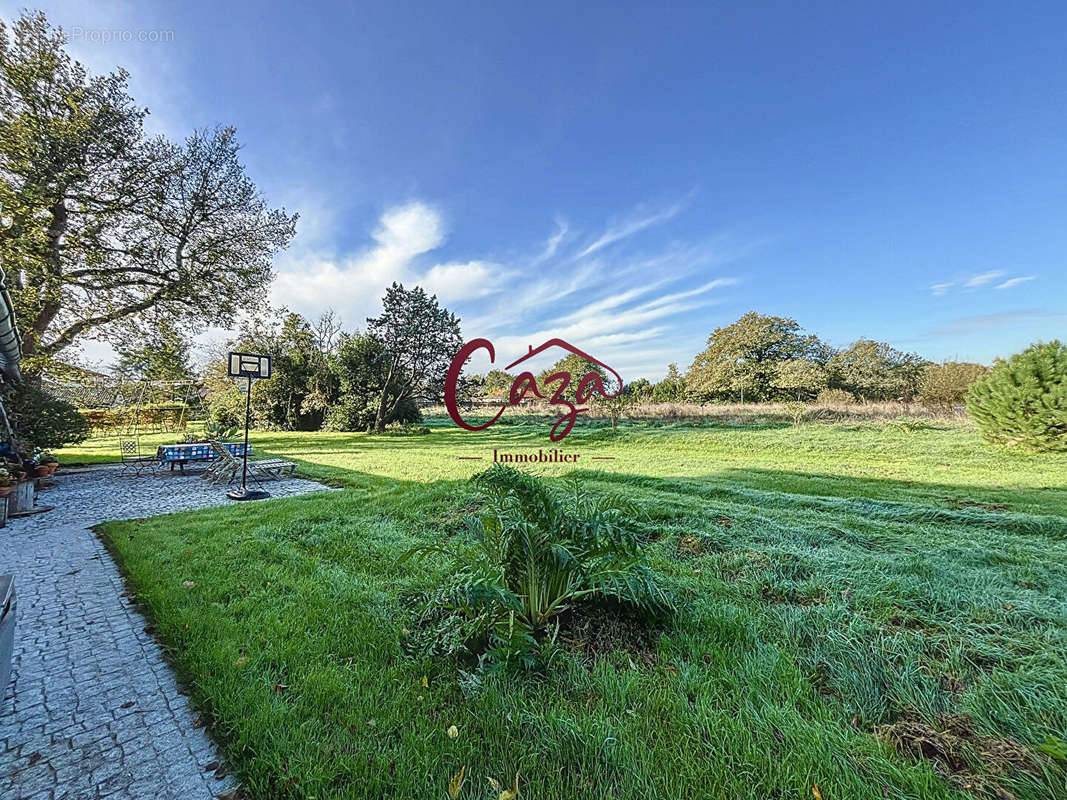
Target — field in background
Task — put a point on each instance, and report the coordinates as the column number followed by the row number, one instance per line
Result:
column 940, row 461
column 879, row 610
column 738, row 413
column 103, row 445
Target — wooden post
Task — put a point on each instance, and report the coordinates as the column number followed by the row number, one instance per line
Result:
column 22, row 498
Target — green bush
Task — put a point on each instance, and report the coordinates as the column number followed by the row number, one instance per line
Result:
column 1022, row 402
column 41, row 420
column 834, row 397
column 945, row 385
column 356, row 413
column 227, row 409
column 349, row 413
column 531, row 554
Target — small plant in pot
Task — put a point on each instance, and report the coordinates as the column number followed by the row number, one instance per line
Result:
column 7, row 482
column 49, row 461
column 36, row 466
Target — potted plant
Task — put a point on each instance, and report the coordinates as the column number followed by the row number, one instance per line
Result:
column 48, row 460
column 7, row 482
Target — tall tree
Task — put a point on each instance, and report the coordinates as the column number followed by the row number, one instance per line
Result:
column 877, row 371
column 107, row 224
column 578, row 367
column 800, row 377
column 301, row 386
column 162, row 355
column 743, row 357
column 420, row 338
column 671, row 389
column 360, row 364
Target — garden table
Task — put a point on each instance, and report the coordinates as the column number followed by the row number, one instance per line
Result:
column 181, row 454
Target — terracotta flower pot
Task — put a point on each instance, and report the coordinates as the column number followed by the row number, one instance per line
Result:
column 52, row 466
column 6, row 490
column 41, row 471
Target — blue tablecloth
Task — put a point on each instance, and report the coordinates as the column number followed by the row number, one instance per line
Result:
column 197, row 452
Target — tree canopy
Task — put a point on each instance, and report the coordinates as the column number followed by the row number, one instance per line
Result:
column 420, row 339
column 578, row 367
column 877, row 371
column 743, row 357
column 161, row 354
column 106, row 223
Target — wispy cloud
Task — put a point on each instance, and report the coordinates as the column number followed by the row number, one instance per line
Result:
column 985, row 322
column 562, row 289
column 983, row 278
column 555, row 240
column 939, row 289
column 1014, row 282
column 628, row 228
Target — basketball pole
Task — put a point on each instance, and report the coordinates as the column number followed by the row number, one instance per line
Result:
column 244, row 493
column 244, row 453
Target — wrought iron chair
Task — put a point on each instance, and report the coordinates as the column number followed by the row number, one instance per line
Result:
column 132, row 460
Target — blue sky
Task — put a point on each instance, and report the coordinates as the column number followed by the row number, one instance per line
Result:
column 630, row 176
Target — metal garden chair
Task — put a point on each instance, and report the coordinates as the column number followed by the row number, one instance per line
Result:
column 132, row 460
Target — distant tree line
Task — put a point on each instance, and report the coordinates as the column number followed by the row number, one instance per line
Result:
column 324, row 378
column 761, row 358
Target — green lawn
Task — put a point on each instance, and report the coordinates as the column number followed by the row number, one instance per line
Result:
column 835, row 580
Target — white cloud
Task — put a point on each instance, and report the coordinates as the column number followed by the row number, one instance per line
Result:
column 309, row 281
column 939, row 289
column 606, row 305
column 983, row 278
column 1014, row 282
column 409, row 230
column 633, row 340
column 628, row 228
column 555, row 240
column 718, row 283
column 467, row 281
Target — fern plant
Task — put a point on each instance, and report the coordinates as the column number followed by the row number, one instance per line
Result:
column 532, row 553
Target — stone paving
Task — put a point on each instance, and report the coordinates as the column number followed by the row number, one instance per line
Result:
column 93, row 710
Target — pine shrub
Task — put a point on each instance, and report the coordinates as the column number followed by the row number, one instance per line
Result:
column 1022, row 402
